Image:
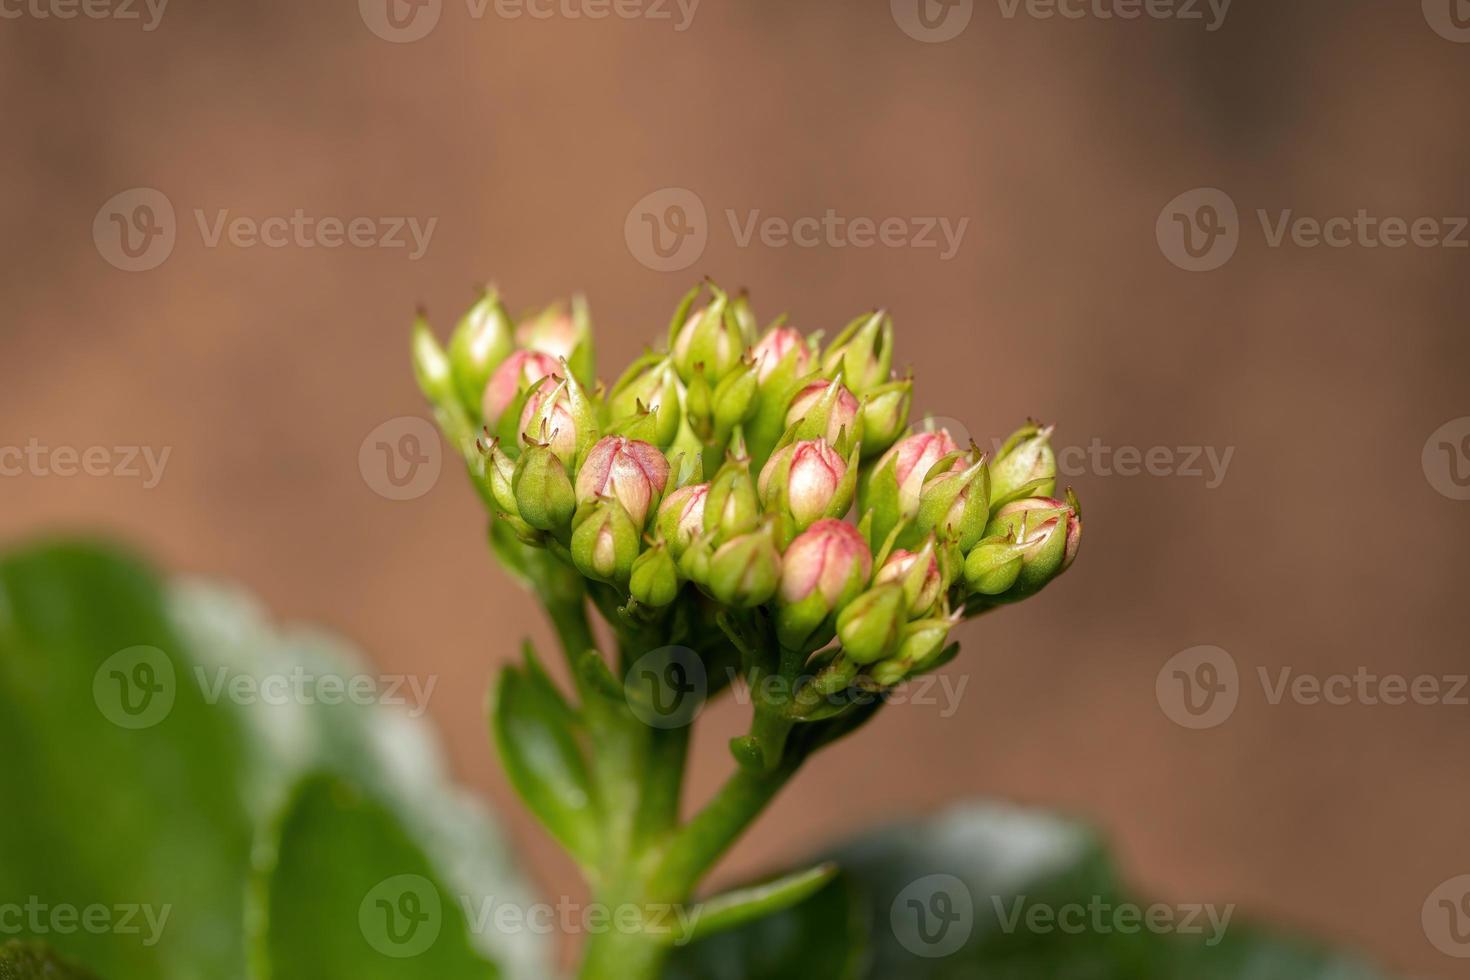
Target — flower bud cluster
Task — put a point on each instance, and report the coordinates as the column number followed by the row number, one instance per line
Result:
column 739, row 469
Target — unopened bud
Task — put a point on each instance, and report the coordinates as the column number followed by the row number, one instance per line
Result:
column 557, row 413
column 862, row 352
column 920, row 645
column 734, row 398
column 500, row 478
column 480, row 343
column 885, row 414
column 654, row 579
column 825, row 410
column 822, row 569
column 543, row 491
column 955, row 504
column 709, row 337
column 807, row 480
column 918, row 574
column 779, row 346
column 605, row 542
column 869, row 626
column 650, row 385
column 565, row 335
column 731, row 507
column 681, row 516
column 891, row 488
column 745, row 570
column 629, row 470
column 1025, row 465
column 1043, row 532
column 513, row 376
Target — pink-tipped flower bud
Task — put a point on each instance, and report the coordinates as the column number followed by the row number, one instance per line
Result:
column 922, row 581
column 778, row 344
column 807, row 480
column 515, row 374
column 629, row 470
column 546, row 418
column 824, row 410
column 913, row 457
column 681, row 516
column 828, row 562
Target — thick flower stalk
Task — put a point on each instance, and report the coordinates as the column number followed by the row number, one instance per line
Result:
column 745, row 508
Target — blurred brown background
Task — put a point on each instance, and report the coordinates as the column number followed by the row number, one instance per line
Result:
column 1326, row 548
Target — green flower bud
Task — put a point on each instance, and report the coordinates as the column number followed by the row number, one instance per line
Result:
column 699, row 408
column 734, row 398
column 745, row 570
column 806, row 481
column 1046, row 534
column 993, row 565
column 543, row 491
column 710, row 336
column 870, row 625
column 890, row 490
column 955, row 504
column 1025, row 466
column 885, row 415
column 921, row 644
column 499, row 475
column 694, row 562
column 681, row 516
column 822, row 570
column 919, row 575
column 650, row 385
column 654, row 579
column 863, row 352
column 557, row 413
column 731, row 507
column 605, row 542
column 826, row 410
column 431, row 367
column 480, row 342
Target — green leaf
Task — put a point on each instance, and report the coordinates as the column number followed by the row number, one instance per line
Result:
column 742, row 905
column 977, row 892
column 539, row 749
column 348, row 894
column 133, row 802
column 36, row 961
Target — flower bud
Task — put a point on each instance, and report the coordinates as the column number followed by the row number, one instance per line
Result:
column 885, row 414
column 500, row 478
column 514, row 375
column 891, row 489
column 650, row 385
column 825, row 410
column 822, row 569
column 745, row 570
column 654, row 579
column 869, row 626
column 604, row 542
column 918, row 574
column 807, row 481
column 863, row 352
column 629, row 470
column 556, row 413
column 731, row 507
column 920, row 646
column 681, row 516
column 543, row 492
column 1025, row 465
column 431, row 367
column 955, row 504
column 779, row 344
column 734, row 399
column 479, row 344
column 709, row 337
column 1042, row 535
column 563, row 335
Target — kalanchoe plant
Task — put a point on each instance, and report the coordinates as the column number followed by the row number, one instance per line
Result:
column 703, row 506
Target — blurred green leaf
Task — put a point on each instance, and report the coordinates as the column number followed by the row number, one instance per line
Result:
column 1000, row 893
column 35, row 961
column 347, row 894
